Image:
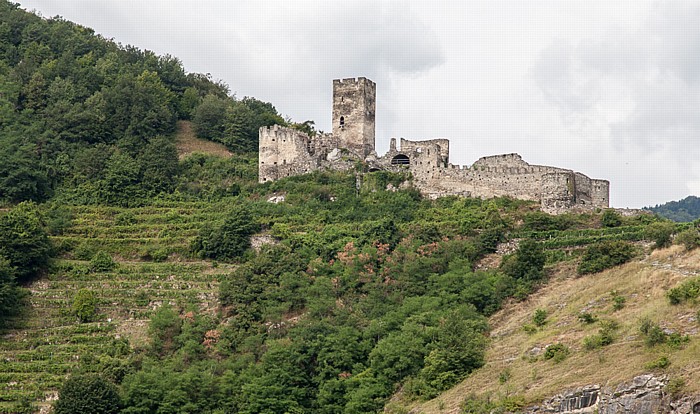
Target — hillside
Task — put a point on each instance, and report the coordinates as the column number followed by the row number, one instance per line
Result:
column 515, row 368
column 687, row 209
column 144, row 270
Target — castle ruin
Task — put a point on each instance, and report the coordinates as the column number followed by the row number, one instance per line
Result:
column 286, row 152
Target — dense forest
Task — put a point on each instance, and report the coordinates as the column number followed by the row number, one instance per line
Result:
column 687, row 209
column 357, row 292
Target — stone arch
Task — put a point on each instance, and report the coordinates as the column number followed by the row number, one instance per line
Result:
column 401, row 159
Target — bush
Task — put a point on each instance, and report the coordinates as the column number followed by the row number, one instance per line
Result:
column 604, row 337
column 540, row 317
column 604, row 255
column 660, row 233
column 675, row 387
column 87, row 394
column 229, row 240
column 661, row 363
column 24, row 241
column 527, row 263
column 587, row 318
column 84, row 305
column 618, row 301
column 686, row 291
column 102, row 262
column 611, row 218
column 690, row 238
column 556, row 352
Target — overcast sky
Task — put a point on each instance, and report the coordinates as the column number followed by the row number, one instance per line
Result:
column 607, row 88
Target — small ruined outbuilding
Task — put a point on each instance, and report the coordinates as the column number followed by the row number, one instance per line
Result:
column 286, row 152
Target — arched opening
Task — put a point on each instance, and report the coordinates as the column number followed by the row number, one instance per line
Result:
column 400, row 160
column 342, row 121
column 374, row 169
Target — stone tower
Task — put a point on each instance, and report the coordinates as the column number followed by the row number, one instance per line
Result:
column 354, row 104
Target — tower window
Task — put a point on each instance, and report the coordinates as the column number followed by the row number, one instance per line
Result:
column 342, row 121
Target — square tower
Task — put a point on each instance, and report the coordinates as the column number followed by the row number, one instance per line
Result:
column 354, row 105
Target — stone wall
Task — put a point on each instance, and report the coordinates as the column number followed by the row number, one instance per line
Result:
column 644, row 394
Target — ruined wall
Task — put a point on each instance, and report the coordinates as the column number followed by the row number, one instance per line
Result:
column 283, row 152
column 286, row 152
column 558, row 191
column 354, row 107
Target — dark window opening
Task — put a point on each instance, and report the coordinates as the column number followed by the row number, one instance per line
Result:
column 400, row 160
column 342, row 121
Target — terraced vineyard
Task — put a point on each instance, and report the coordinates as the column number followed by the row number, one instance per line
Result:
column 153, row 267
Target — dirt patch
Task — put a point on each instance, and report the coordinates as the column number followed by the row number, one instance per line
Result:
column 188, row 143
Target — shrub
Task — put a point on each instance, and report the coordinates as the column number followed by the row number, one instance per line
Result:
column 604, row 337
column 611, row 218
column 604, row 255
column 228, row 240
column 24, row 241
column 84, row 305
column 102, row 262
column 587, row 318
column 528, row 262
column 690, row 238
column 540, row 317
column 655, row 336
column 660, row 233
column 675, row 387
column 126, row 218
column 87, row 394
column 660, row 363
column 618, row 301
column 686, row 291
column 556, row 352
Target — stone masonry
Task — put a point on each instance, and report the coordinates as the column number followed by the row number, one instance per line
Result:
column 286, row 152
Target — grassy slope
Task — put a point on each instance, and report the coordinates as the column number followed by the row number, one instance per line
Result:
column 188, row 143
column 643, row 283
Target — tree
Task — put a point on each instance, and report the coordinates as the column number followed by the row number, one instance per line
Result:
column 209, row 118
column 84, row 305
column 229, row 240
column 87, row 394
column 528, row 262
column 10, row 294
column 24, row 241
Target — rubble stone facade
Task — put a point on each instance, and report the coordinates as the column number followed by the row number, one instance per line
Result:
column 286, row 152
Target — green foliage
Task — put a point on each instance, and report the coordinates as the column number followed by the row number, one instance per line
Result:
column 102, row 262
column 89, row 394
column 675, row 387
column 611, row 218
column 11, row 295
column 228, row 240
column 660, row 233
column 528, row 262
column 661, row 362
column 539, row 318
column 688, row 290
column 24, row 241
column 604, row 255
column 618, row 301
column 685, row 210
column 689, row 238
column 604, row 337
column 164, row 327
column 587, row 318
column 84, row 305
column 556, row 352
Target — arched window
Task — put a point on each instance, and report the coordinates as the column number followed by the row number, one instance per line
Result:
column 342, row 121
column 400, row 160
